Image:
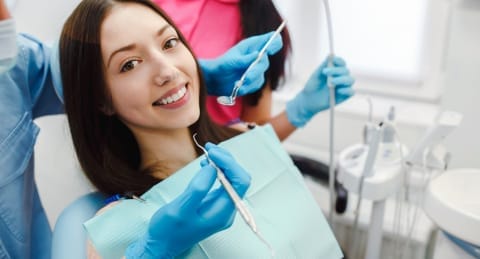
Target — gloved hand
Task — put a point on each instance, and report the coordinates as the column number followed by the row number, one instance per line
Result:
column 195, row 214
column 315, row 96
column 222, row 73
column 8, row 43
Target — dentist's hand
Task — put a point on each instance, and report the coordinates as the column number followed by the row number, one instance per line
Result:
column 222, row 73
column 195, row 214
column 315, row 96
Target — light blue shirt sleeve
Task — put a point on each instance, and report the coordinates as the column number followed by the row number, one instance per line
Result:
column 26, row 91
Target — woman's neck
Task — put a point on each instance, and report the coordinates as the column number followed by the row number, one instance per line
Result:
column 166, row 152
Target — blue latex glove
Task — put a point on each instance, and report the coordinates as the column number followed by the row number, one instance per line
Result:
column 315, row 96
column 222, row 73
column 195, row 214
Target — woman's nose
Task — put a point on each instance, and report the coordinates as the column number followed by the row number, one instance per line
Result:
column 164, row 69
column 165, row 75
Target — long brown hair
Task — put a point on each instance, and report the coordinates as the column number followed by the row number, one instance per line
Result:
column 107, row 150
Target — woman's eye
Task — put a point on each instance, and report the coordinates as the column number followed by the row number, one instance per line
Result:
column 129, row 65
column 170, row 43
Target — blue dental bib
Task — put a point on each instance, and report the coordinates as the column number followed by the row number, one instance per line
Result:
column 286, row 213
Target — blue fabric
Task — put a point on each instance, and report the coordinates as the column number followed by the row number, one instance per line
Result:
column 26, row 92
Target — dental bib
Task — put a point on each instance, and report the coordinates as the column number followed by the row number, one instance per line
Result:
column 283, row 208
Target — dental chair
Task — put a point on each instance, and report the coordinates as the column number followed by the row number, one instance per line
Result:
column 69, row 199
column 58, row 175
column 69, row 236
column 67, row 196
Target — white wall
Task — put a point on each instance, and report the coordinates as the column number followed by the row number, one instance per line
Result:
column 42, row 18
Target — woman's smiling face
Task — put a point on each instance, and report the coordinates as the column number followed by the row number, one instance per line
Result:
column 152, row 77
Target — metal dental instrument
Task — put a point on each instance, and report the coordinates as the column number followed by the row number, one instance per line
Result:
column 230, row 100
column 241, row 207
column 135, row 197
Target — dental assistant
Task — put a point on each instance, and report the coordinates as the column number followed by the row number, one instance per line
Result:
column 213, row 26
column 31, row 88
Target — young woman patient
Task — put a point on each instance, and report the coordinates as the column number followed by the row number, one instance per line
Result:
column 134, row 96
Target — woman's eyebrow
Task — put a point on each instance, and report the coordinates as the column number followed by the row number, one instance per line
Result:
column 164, row 28
column 133, row 45
column 125, row 48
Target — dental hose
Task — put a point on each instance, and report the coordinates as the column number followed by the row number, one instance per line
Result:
column 331, row 87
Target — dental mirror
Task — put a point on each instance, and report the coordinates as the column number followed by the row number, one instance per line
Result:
column 230, row 100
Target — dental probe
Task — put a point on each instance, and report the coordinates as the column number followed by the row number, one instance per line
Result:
column 241, row 207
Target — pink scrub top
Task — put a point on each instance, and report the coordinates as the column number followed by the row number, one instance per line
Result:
column 211, row 27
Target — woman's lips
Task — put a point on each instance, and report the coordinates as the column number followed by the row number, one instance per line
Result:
column 173, row 98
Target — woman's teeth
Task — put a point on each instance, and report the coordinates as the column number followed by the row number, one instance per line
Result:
column 172, row 98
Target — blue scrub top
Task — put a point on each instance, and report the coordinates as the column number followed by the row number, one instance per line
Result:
column 27, row 91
